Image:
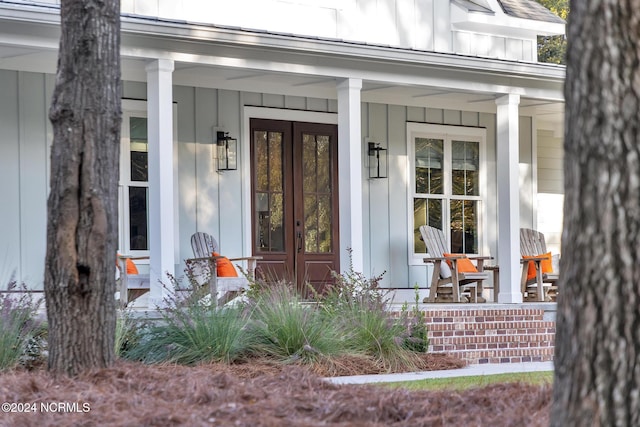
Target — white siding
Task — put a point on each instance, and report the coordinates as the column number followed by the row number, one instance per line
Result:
column 415, row 24
column 550, row 158
column 212, row 202
column 34, row 180
column 527, row 174
column 24, row 165
column 550, row 188
column 10, row 247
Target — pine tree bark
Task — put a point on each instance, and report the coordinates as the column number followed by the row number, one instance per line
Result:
column 82, row 206
column 597, row 359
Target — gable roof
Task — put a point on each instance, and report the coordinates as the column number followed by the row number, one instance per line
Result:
column 475, row 5
column 529, row 9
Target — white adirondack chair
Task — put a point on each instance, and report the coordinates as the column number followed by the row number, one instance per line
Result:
column 543, row 286
column 131, row 286
column 448, row 284
column 204, row 270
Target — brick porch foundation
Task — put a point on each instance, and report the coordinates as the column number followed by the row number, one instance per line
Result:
column 491, row 335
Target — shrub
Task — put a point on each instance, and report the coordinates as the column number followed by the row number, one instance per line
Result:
column 351, row 289
column 416, row 331
column 289, row 330
column 21, row 334
column 126, row 333
column 359, row 307
column 375, row 333
column 192, row 331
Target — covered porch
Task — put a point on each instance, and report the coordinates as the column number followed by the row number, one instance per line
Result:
column 191, row 81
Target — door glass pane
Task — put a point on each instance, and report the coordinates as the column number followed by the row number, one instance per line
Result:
column 310, row 223
column 425, row 212
column 429, row 156
column 262, row 164
column 139, row 149
column 324, row 224
column 324, row 164
column 464, row 226
column 309, row 161
column 316, row 176
column 269, row 196
column 276, row 172
column 138, row 223
column 465, row 164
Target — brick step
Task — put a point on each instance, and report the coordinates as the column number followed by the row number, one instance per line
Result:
column 482, row 315
column 491, row 339
column 515, row 327
column 511, row 355
column 445, row 347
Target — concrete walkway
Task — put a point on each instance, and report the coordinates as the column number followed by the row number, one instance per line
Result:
column 467, row 371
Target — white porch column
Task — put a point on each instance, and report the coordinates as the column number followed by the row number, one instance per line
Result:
column 508, row 198
column 161, row 200
column 350, row 173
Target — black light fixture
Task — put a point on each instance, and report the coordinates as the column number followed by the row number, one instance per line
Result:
column 377, row 161
column 227, row 152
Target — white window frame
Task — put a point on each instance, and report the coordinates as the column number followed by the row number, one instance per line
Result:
column 130, row 108
column 447, row 133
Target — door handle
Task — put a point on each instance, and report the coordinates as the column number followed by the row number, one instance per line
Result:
column 298, row 236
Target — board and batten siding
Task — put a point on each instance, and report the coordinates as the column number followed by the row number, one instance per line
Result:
column 413, row 24
column 387, row 200
column 550, row 195
column 24, row 175
column 210, row 201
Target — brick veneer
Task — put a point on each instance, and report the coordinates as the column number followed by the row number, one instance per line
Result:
column 508, row 335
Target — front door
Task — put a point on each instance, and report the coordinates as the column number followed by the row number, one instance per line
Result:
column 294, row 183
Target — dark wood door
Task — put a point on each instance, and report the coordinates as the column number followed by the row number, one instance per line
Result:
column 294, row 179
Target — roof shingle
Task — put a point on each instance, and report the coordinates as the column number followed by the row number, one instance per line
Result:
column 529, row 9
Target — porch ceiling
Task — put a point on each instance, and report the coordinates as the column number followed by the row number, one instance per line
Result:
column 293, row 84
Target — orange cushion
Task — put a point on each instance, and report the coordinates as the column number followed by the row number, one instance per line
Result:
column 464, row 264
column 132, row 270
column 546, row 264
column 224, row 268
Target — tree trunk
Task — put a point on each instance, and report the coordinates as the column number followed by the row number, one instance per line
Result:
column 82, row 206
column 597, row 359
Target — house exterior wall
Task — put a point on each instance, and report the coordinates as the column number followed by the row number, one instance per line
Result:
column 399, row 23
column 24, row 174
column 212, row 202
column 550, row 158
column 550, row 196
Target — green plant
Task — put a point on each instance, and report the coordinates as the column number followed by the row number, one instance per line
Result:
column 126, row 335
column 358, row 306
column 375, row 333
column 286, row 328
column 351, row 289
column 416, row 332
column 21, row 334
column 192, row 330
column 474, row 381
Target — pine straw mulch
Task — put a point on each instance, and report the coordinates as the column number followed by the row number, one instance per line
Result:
column 260, row 393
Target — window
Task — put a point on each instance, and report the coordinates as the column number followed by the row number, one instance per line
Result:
column 134, row 184
column 447, row 179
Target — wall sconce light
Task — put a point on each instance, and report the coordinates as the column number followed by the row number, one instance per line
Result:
column 377, row 161
column 227, row 152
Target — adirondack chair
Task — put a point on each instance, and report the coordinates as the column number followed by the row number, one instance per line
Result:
column 448, row 284
column 131, row 286
column 543, row 286
column 203, row 267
